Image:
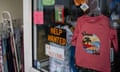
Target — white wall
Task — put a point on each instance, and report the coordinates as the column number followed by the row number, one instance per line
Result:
column 15, row 7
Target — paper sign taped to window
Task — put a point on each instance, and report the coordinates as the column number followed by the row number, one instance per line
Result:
column 38, row 17
column 54, row 52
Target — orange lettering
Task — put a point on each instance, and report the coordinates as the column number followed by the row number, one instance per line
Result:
column 58, row 40
column 55, row 31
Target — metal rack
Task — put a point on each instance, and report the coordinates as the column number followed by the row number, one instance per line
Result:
column 8, row 27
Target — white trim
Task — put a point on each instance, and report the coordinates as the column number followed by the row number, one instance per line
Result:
column 43, row 64
column 33, row 70
column 35, row 42
column 27, row 20
column 27, row 34
column 35, row 34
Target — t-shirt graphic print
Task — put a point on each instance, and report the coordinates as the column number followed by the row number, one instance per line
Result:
column 91, row 43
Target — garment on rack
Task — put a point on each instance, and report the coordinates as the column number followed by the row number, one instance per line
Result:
column 22, row 51
column 18, row 34
column 4, row 47
column 13, row 53
column 11, row 50
column 1, row 58
column 92, row 38
column 9, row 55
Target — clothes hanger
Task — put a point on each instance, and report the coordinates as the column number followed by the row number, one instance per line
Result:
column 95, row 11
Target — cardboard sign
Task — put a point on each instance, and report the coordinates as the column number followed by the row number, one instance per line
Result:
column 54, row 52
column 48, row 2
column 57, row 35
column 38, row 17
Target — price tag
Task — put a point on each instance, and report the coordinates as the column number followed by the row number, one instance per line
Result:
column 84, row 7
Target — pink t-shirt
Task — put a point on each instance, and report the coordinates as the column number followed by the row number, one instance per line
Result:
column 92, row 38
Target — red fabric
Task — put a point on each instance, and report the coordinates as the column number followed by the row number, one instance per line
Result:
column 94, row 31
column 13, row 53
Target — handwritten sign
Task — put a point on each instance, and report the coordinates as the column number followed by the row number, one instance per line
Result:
column 57, row 35
column 38, row 17
column 54, row 52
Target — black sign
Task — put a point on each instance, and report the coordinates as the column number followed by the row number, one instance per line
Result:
column 57, row 35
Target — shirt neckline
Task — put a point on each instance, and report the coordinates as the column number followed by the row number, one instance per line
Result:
column 93, row 19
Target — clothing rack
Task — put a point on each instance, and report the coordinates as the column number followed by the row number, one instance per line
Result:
column 7, row 25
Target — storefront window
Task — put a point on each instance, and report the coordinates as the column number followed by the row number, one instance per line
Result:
column 55, row 25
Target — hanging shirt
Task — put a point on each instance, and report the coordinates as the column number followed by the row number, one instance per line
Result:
column 92, row 38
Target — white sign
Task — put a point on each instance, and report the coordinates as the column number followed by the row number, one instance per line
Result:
column 54, row 52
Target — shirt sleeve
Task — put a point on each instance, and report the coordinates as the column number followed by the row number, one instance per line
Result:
column 114, row 39
column 75, row 33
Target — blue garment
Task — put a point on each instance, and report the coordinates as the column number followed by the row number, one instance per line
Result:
column 112, row 5
column 115, row 6
column 117, row 0
column 72, row 60
column 114, row 13
column 10, row 57
column 4, row 47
